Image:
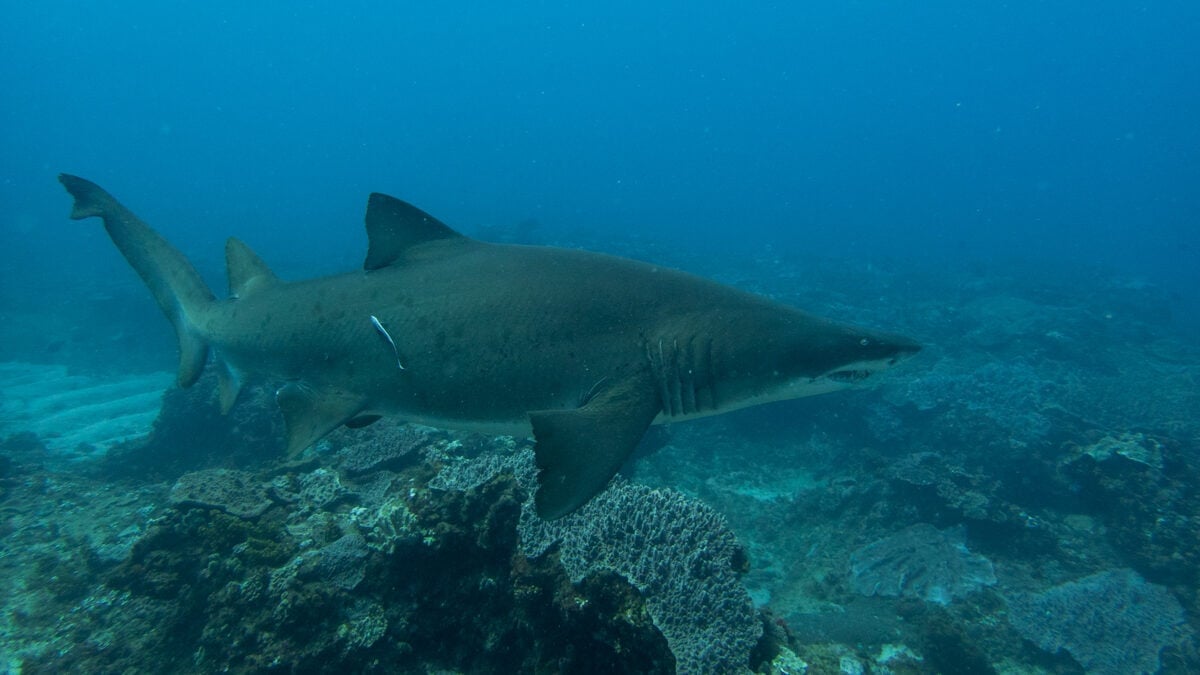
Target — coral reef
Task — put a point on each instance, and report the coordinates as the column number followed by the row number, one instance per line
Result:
column 340, row 562
column 319, row 489
column 373, row 573
column 921, row 562
column 208, row 591
column 234, row 492
column 390, row 445
column 1111, row 622
column 1146, row 491
column 1057, row 429
column 679, row 554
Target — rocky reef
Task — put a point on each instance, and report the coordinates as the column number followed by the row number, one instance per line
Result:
column 412, row 556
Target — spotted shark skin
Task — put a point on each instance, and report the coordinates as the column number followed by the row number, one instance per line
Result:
column 581, row 351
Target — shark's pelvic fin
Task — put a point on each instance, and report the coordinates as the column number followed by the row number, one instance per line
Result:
column 310, row 414
column 394, row 226
column 247, row 272
column 578, row 451
column 175, row 284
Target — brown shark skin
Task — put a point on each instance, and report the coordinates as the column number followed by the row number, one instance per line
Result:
column 490, row 333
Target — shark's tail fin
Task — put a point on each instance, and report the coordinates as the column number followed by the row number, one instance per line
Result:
column 176, row 285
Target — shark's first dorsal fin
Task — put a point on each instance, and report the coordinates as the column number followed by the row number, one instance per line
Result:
column 393, row 226
column 246, row 271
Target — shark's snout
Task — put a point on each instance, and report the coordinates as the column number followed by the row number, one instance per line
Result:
column 891, row 349
column 904, row 349
column 871, row 353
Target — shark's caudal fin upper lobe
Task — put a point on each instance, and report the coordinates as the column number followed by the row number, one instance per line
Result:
column 176, row 285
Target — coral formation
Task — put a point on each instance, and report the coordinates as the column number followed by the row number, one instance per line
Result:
column 201, row 592
column 1146, row 491
column 340, row 562
column 678, row 553
column 1136, row 447
column 318, row 489
column 921, row 562
column 1111, row 622
column 390, row 445
column 234, row 492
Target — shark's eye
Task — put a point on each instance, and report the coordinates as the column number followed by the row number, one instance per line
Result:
column 864, row 342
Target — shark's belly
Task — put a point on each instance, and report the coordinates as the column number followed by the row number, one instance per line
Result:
column 518, row 427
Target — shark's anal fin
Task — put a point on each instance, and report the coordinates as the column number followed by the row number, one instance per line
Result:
column 578, row 451
column 310, row 414
column 229, row 384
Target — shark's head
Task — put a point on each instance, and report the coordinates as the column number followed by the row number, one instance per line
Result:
column 769, row 355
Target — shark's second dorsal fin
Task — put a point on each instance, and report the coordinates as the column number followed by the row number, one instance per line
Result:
column 393, row 226
column 246, row 271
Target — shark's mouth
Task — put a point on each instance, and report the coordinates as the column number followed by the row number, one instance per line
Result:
column 848, row 376
column 853, row 373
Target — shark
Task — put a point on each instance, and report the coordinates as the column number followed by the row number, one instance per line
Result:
column 581, row 351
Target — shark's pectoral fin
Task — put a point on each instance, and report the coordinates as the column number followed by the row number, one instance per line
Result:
column 578, row 451
column 310, row 414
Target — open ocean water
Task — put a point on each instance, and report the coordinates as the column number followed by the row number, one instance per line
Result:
column 1011, row 185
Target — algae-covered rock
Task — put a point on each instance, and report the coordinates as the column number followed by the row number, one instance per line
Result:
column 235, row 492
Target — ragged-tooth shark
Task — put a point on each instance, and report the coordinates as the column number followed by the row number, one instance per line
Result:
column 582, row 351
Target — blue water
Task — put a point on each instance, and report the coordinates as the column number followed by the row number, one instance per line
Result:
column 935, row 132
column 1015, row 185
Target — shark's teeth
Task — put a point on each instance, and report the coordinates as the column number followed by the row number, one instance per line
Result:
column 849, row 375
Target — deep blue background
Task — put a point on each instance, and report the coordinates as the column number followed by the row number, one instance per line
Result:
column 1064, row 133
